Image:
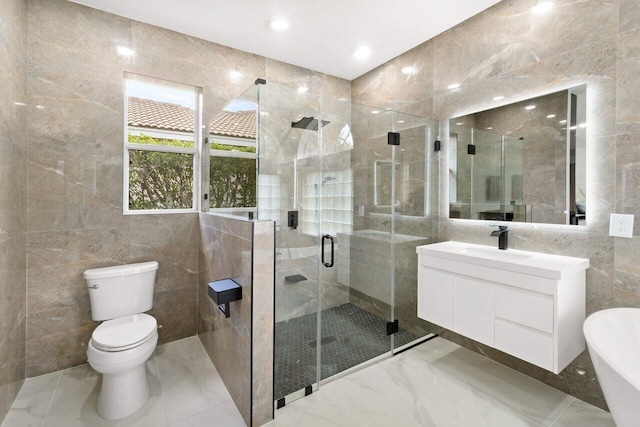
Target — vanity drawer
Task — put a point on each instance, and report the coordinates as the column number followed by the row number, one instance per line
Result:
column 532, row 346
column 535, row 311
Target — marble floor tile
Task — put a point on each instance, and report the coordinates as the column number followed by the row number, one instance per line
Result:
column 179, row 373
column 33, row 401
column 581, row 414
column 189, row 381
column 223, row 415
column 438, row 384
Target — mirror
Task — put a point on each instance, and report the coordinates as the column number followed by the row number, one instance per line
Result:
column 523, row 162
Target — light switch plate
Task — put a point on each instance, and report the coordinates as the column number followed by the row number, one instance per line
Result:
column 621, row 225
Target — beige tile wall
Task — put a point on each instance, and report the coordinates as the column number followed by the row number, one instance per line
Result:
column 13, row 197
column 508, row 51
column 241, row 346
column 74, row 214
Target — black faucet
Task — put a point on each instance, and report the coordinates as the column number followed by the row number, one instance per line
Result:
column 503, row 237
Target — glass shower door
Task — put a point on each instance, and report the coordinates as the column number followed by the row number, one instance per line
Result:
column 412, row 224
column 356, row 199
column 288, row 179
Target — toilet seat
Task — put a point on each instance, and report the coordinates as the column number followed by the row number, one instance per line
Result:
column 124, row 333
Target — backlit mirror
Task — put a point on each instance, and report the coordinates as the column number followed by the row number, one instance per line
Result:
column 523, row 162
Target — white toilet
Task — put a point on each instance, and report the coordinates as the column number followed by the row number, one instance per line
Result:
column 121, row 345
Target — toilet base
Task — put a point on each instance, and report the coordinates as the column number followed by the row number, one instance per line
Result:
column 123, row 394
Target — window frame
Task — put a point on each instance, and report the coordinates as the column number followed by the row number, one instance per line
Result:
column 196, row 150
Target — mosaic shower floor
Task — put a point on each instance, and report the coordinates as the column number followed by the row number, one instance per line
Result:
column 350, row 336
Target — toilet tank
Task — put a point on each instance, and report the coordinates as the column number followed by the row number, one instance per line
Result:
column 121, row 290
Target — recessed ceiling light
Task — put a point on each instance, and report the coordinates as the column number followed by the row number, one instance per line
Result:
column 363, row 52
column 551, row 116
column 582, row 125
column 453, row 86
column 562, row 122
column 375, row 112
column 235, row 74
column 40, row 107
column 400, row 121
column 498, row 98
column 459, row 124
column 529, row 107
column 125, row 51
column 408, row 70
column 279, row 23
column 489, row 128
column 542, row 7
column 303, row 89
column 19, row 103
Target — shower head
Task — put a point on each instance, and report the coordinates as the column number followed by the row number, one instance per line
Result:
column 328, row 179
column 308, row 123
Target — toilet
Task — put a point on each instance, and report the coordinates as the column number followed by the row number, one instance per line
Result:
column 127, row 337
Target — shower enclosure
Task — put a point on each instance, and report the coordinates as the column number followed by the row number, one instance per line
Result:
column 350, row 209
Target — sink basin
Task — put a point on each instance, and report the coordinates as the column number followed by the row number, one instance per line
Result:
column 533, row 263
column 494, row 253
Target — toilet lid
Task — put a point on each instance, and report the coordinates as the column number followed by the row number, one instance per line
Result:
column 124, row 332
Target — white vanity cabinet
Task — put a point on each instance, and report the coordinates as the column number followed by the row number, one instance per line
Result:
column 527, row 304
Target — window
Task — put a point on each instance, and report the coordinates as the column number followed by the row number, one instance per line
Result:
column 233, row 158
column 161, row 146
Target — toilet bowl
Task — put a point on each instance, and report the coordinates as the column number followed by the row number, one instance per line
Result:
column 120, row 358
column 127, row 337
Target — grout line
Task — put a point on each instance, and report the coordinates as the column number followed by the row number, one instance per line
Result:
column 164, row 407
column 55, row 391
column 562, row 413
column 208, row 409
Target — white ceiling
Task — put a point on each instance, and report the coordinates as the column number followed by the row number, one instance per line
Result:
column 322, row 35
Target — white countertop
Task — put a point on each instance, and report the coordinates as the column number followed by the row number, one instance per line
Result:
column 533, row 263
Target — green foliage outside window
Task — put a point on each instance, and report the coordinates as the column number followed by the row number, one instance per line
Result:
column 159, row 180
column 232, row 180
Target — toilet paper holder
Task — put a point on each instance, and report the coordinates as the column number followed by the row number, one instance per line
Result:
column 224, row 291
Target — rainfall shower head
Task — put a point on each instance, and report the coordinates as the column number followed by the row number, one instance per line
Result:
column 308, row 123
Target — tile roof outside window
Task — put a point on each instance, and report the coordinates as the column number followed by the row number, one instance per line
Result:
column 165, row 116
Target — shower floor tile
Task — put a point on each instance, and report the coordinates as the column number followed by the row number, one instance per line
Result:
column 350, row 336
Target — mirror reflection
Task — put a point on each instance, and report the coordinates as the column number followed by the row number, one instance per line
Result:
column 523, row 162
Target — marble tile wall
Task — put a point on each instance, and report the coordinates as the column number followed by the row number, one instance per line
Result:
column 263, row 321
column 74, row 161
column 226, row 252
column 13, row 198
column 508, row 51
column 241, row 346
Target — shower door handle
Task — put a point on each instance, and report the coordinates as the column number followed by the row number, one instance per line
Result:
column 327, row 264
